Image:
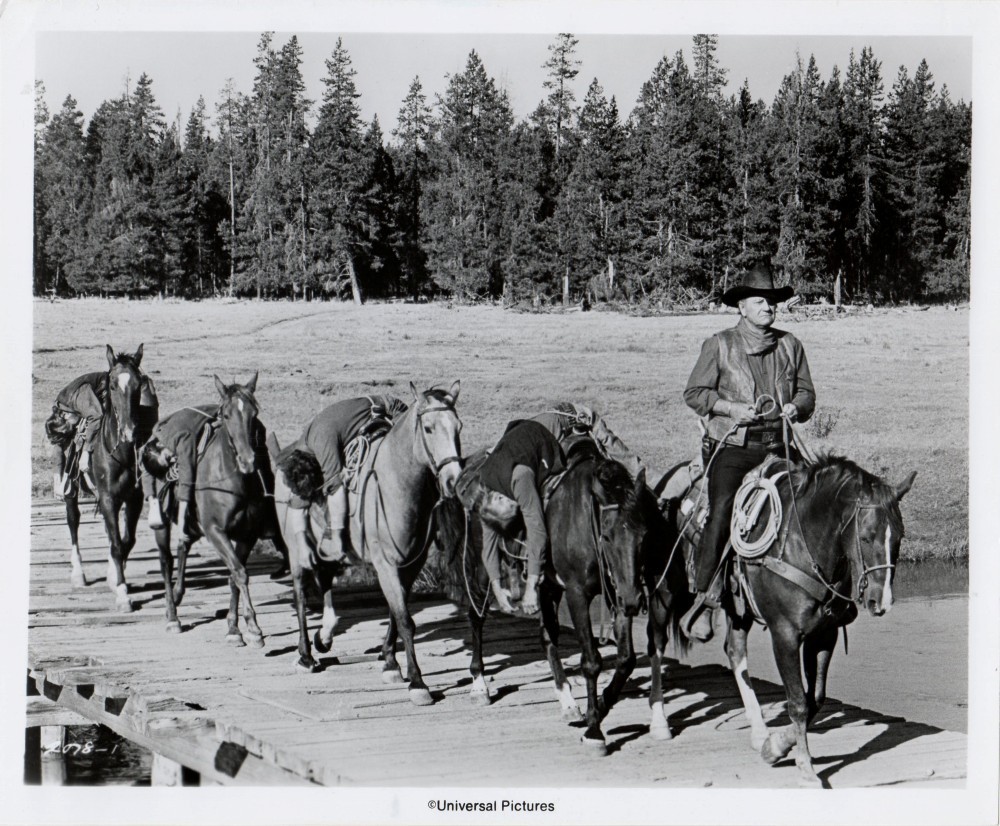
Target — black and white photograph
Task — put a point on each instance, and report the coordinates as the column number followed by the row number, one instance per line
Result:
column 500, row 413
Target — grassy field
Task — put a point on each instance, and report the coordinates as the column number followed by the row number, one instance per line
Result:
column 892, row 385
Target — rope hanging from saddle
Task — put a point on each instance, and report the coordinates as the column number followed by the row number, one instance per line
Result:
column 756, row 492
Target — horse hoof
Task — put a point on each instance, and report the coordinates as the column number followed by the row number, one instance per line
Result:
column 595, row 745
column 173, row 627
column 772, row 753
column 661, row 732
column 479, row 698
column 572, row 714
column 392, row 676
column 124, row 607
column 307, row 665
column 256, row 640
column 319, row 645
column 78, row 580
column 235, row 640
column 421, row 697
column 810, row 781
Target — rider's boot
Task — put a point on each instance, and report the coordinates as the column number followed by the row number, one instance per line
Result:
column 697, row 623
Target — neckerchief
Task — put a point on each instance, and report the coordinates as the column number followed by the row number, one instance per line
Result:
column 755, row 339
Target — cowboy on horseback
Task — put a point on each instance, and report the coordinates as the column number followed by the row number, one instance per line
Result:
column 76, row 414
column 525, row 457
column 737, row 367
column 570, row 423
column 325, row 459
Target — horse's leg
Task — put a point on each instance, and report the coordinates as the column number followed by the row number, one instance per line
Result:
column 132, row 509
column 390, row 666
column 395, row 595
column 590, row 664
column 166, row 570
column 76, row 576
column 736, row 649
column 116, row 563
column 242, row 578
column 786, row 642
column 183, row 547
column 323, row 640
column 656, row 632
column 479, row 694
column 551, row 594
column 816, row 653
column 624, row 664
column 233, row 635
column 239, row 586
column 305, row 662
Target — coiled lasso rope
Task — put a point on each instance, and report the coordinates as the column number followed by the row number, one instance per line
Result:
column 750, row 500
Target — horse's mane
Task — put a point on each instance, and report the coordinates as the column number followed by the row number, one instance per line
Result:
column 127, row 359
column 620, row 487
column 234, row 388
column 440, row 395
column 829, row 475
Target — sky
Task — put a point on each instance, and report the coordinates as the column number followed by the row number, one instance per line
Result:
column 95, row 66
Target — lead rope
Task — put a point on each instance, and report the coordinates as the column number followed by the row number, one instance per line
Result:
column 602, row 638
column 480, row 612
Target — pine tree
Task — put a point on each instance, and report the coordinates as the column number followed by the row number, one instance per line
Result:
column 341, row 240
column 590, row 209
column 462, row 198
column 231, row 173
column 171, row 201
column 40, row 269
column 865, row 177
column 378, row 203
column 562, row 67
column 412, row 133
column 65, row 193
column 751, row 213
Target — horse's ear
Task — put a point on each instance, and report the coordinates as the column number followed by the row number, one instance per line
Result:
column 640, row 482
column 220, row 386
column 416, row 393
column 453, row 390
column 273, row 448
column 252, row 384
column 903, row 487
column 138, row 356
column 111, row 356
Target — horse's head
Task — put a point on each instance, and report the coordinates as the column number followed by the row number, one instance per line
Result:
column 622, row 528
column 124, row 386
column 238, row 412
column 437, row 441
column 878, row 532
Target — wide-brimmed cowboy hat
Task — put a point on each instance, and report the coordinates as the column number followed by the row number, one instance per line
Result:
column 759, row 281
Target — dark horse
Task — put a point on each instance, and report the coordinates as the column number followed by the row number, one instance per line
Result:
column 113, row 465
column 232, row 507
column 837, row 543
column 396, row 492
column 598, row 521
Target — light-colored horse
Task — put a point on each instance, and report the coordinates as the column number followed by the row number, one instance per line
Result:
column 392, row 506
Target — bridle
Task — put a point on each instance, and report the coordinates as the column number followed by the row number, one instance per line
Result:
column 860, row 560
column 248, row 400
column 111, row 404
column 437, row 466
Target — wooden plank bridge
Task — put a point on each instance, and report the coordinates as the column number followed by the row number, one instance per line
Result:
column 245, row 716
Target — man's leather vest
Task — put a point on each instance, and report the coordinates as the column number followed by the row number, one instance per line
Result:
column 736, row 382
